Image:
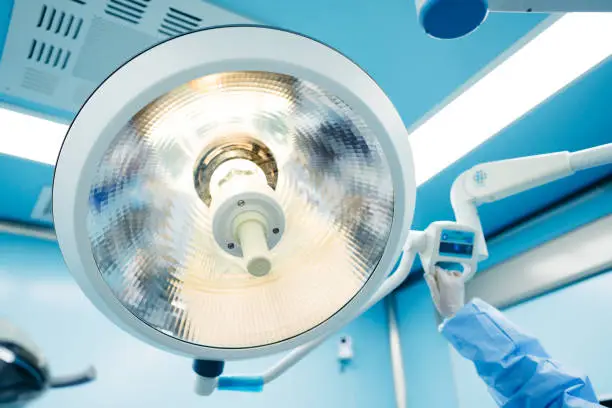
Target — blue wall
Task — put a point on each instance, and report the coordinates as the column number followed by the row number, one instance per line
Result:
column 426, row 354
column 37, row 292
column 575, row 326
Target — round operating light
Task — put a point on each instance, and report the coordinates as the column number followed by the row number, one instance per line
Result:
column 234, row 192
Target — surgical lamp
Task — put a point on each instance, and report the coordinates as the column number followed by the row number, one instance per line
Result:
column 24, row 371
column 450, row 19
column 247, row 201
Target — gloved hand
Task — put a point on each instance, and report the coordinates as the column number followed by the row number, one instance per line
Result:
column 447, row 291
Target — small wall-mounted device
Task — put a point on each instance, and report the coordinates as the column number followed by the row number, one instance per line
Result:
column 345, row 352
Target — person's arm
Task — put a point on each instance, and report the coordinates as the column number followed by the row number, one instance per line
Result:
column 514, row 365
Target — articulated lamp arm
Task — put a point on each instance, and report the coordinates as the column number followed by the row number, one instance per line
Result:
column 493, row 181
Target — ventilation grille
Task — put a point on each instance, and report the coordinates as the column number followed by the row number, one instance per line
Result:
column 130, row 11
column 59, row 22
column 43, row 209
column 177, row 22
column 48, row 54
column 81, row 2
column 39, row 81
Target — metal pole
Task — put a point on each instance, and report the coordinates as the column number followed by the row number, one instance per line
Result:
column 25, row 230
column 397, row 363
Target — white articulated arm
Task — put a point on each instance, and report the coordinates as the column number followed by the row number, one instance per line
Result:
column 464, row 206
column 593, row 157
column 386, row 288
column 550, row 6
column 390, row 284
column 493, row 181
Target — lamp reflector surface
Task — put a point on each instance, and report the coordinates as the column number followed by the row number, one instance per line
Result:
column 151, row 209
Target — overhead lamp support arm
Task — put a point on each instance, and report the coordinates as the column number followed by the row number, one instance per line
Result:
column 493, row 181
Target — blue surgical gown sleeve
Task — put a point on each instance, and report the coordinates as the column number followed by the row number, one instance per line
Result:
column 514, row 365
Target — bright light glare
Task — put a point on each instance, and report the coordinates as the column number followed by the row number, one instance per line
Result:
column 30, row 137
column 7, row 355
column 556, row 57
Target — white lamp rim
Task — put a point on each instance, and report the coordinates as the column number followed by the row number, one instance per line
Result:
column 155, row 72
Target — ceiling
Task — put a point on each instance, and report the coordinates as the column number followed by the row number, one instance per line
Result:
column 417, row 72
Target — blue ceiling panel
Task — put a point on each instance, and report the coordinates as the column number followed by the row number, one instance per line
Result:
column 20, row 184
column 6, row 7
column 385, row 38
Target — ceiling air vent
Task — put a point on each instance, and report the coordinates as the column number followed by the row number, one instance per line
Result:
column 39, row 81
column 130, row 11
column 177, row 22
column 59, row 22
column 48, row 54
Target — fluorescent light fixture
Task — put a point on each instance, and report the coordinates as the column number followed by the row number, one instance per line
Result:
column 30, row 137
column 567, row 49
